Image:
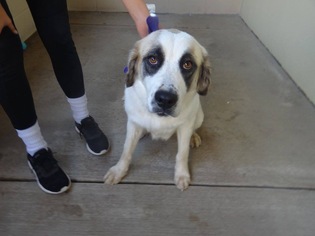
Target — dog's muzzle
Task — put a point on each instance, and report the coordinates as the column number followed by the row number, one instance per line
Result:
column 165, row 103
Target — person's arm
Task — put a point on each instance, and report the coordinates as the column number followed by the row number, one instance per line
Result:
column 139, row 13
column 5, row 21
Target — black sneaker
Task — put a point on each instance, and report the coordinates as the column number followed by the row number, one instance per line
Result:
column 96, row 141
column 50, row 177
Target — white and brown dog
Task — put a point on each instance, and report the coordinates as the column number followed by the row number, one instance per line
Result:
column 168, row 70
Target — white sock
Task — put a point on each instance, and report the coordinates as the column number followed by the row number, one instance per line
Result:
column 79, row 108
column 32, row 138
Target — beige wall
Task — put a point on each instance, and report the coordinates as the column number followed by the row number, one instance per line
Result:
column 163, row 6
column 22, row 18
column 287, row 28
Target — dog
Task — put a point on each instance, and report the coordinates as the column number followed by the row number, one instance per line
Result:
column 167, row 71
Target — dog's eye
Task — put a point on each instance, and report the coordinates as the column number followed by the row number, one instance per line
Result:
column 153, row 60
column 187, row 65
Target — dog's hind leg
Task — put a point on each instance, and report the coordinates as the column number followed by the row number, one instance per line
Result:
column 118, row 171
column 195, row 140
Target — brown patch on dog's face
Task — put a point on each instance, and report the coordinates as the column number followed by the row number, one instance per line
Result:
column 132, row 64
column 204, row 77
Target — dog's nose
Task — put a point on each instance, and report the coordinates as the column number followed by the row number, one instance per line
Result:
column 165, row 99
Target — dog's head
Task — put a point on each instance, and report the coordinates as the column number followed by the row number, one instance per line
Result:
column 172, row 67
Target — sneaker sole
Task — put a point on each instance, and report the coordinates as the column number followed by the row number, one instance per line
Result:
column 62, row 190
column 89, row 149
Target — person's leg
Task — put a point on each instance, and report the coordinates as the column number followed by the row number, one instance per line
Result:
column 17, row 101
column 52, row 22
column 16, row 98
column 15, row 94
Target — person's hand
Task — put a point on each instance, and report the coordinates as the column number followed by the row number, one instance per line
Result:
column 139, row 13
column 5, row 21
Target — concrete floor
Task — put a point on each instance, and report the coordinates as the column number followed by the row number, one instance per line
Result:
column 253, row 175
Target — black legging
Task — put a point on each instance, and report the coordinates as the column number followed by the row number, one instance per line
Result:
column 52, row 23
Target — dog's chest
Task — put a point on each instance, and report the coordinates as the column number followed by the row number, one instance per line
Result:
column 158, row 127
column 163, row 134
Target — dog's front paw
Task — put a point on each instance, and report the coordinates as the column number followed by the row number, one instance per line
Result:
column 182, row 182
column 114, row 175
column 195, row 140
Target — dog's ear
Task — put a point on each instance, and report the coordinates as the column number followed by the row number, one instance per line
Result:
column 132, row 66
column 205, row 75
